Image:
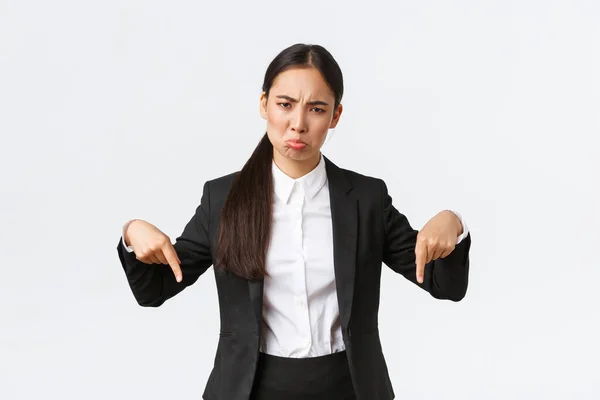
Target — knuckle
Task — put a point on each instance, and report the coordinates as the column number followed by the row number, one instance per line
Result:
column 157, row 244
column 148, row 253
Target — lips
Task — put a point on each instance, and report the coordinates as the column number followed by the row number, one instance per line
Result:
column 296, row 144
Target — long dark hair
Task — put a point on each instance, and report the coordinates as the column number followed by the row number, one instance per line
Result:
column 245, row 224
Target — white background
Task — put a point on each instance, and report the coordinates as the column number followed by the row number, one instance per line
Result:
column 118, row 109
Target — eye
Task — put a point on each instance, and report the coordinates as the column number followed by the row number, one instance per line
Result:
column 284, row 105
column 318, row 110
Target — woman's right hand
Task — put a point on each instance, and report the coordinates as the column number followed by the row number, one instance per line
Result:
column 152, row 246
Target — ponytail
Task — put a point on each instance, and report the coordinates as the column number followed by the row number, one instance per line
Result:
column 245, row 224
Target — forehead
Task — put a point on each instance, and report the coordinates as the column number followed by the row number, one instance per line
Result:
column 301, row 82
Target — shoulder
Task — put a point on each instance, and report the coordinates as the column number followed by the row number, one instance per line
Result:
column 371, row 191
column 216, row 189
column 222, row 183
column 361, row 182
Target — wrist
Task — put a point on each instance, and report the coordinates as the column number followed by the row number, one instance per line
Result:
column 126, row 231
column 460, row 229
column 458, row 223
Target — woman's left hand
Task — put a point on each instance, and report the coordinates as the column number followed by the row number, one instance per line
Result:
column 436, row 240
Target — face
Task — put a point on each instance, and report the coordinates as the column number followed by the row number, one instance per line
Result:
column 299, row 111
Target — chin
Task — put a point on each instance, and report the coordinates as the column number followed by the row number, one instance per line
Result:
column 297, row 155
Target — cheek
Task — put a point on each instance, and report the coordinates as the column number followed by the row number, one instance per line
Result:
column 276, row 120
column 323, row 124
column 321, row 127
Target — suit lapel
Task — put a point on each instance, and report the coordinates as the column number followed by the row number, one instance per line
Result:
column 256, row 299
column 344, row 217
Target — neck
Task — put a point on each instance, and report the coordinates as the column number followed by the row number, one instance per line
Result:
column 295, row 168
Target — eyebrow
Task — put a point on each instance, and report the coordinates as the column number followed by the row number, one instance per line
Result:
column 312, row 103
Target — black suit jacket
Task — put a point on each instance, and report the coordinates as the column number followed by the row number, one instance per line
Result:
column 367, row 230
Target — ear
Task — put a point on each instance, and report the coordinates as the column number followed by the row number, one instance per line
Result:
column 336, row 117
column 263, row 105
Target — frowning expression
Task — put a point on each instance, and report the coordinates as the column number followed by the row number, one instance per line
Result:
column 299, row 110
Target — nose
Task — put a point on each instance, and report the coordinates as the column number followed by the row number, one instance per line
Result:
column 299, row 122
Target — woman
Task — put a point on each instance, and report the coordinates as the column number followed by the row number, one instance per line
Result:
column 297, row 245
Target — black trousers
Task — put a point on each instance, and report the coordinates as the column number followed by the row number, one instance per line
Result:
column 316, row 378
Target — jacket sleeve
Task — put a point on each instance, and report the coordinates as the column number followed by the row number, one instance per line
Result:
column 445, row 278
column 153, row 284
